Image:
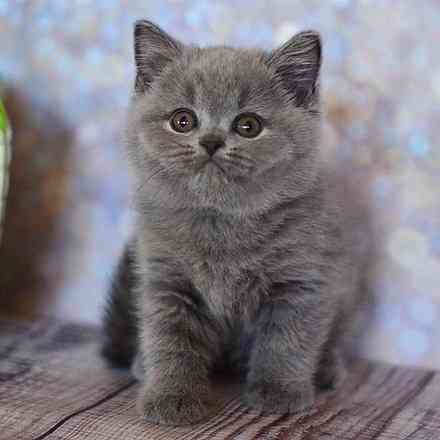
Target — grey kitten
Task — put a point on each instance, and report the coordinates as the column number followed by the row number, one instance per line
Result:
column 246, row 256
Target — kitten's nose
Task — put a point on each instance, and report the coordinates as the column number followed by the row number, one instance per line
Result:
column 211, row 143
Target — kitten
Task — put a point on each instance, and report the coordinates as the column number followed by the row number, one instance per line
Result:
column 245, row 255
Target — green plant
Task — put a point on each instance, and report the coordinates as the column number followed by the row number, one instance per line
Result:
column 5, row 138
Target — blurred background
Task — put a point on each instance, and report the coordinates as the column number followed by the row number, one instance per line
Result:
column 66, row 73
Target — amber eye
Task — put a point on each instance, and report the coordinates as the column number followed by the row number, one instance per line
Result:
column 183, row 120
column 248, row 126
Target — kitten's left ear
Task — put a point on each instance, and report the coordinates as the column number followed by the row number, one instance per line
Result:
column 297, row 64
column 153, row 50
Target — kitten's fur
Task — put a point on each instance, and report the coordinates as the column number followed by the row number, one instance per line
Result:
column 256, row 268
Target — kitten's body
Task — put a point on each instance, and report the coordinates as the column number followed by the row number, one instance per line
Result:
column 252, row 264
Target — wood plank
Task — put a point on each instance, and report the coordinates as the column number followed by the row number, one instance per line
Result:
column 53, row 385
column 48, row 372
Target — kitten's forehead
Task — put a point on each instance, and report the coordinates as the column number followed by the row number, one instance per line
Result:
column 221, row 79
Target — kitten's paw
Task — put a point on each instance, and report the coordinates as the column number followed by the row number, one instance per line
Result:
column 185, row 408
column 273, row 399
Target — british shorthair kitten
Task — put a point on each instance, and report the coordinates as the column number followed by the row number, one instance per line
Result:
column 249, row 253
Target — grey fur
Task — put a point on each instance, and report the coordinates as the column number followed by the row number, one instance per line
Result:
column 255, row 265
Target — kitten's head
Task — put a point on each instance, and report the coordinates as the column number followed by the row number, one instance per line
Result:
column 233, row 129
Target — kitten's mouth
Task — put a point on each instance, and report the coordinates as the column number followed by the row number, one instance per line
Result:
column 211, row 163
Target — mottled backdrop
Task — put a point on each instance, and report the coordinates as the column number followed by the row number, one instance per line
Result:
column 381, row 84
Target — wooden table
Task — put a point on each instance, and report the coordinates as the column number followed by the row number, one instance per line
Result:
column 54, row 385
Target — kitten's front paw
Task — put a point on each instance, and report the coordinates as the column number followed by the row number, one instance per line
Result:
column 181, row 408
column 273, row 399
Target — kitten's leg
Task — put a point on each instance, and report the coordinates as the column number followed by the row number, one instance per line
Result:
column 119, row 325
column 332, row 370
column 290, row 333
column 178, row 349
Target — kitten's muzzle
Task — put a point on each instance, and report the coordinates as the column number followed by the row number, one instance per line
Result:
column 211, row 143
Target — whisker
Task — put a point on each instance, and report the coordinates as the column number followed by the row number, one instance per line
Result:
column 240, row 165
column 179, row 154
column 239, row 156
column 145, row 182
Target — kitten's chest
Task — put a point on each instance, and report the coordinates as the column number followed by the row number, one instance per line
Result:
column 224, row 258
column 231, row 291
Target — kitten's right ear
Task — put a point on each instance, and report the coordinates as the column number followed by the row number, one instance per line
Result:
column 153, row 49
column 297, row 64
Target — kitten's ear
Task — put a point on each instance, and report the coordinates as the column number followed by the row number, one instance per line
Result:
column 297, row 64
column 153, row 49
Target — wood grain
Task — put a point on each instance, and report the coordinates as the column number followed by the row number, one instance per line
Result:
column 54, row 385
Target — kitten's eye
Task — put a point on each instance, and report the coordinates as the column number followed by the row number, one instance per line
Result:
column 248, row 126
column 183, row 120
